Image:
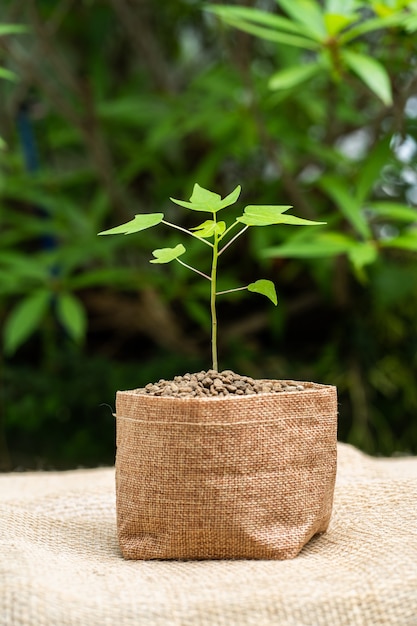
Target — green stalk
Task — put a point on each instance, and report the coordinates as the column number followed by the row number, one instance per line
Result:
column 213, row 299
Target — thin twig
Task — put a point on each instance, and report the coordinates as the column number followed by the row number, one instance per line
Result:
column 184, row 230
column 220, row 293
column 233, row 239
column 193, row 269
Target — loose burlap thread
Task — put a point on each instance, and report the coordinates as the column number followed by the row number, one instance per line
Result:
column 224, row 478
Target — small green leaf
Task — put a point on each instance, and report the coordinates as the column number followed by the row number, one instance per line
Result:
column 205, row 200
column 166, row 255
column 293, row 76
column 209, row 228
column 3, row 144
column 24, row 320
column 139, row 222
column 208, row 201
column 268, row 215
column 71, row 314
column 266, row 288
column 371, row 72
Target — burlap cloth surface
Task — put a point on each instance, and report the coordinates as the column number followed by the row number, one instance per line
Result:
column 60, row 563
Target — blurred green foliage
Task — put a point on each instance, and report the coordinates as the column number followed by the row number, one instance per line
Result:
column 116, row 106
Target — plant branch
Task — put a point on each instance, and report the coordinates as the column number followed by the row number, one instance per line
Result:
column 233, row 239
column 188, row 232
column 220, row 293
column 193, row 269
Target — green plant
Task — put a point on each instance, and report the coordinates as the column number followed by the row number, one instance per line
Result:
column 322, row 43
column 327, row 32
column 203, row 200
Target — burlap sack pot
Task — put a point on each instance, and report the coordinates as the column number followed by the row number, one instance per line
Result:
column 224, row 477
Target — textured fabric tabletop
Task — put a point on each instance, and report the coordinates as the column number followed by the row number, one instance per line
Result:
column 60, row 563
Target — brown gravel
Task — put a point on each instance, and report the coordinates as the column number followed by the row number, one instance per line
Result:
column 212, row 383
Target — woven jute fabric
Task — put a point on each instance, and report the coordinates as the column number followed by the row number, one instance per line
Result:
column 60, row 563
column 222, row 478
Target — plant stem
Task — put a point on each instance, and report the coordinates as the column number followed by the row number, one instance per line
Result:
column 190, row 267
column 213, row 299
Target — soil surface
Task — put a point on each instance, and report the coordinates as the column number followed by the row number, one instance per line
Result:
column 212, row 383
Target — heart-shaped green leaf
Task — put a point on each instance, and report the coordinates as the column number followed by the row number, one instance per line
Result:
column 24, row 319
column 71, row 314
column 166, row 255
column 139, row 222
column 205, row 200
column 266, row 288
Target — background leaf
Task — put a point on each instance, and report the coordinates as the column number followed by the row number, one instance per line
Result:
column 293, row 76
column 349, row 206
column 393, row 211
column 71, row 314
column 328, row 244
column 272, row 34
column 371, row 72
column 308, row 13
column 24, row 319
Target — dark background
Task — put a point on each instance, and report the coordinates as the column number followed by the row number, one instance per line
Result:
column 118, row 105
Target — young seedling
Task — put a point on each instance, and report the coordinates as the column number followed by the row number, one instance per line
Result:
column 216, row 235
